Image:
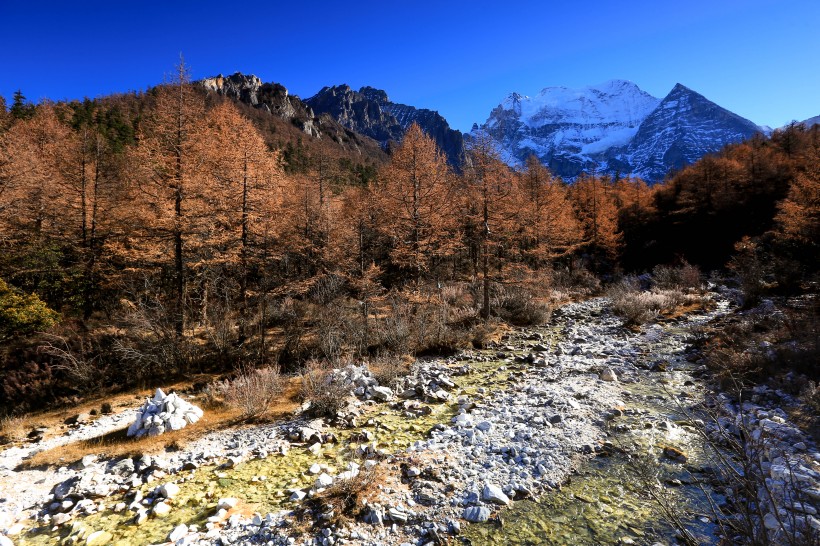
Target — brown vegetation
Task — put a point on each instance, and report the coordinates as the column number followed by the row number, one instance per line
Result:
column 177, row 232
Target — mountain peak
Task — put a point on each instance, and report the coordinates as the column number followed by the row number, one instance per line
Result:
column 376, row 95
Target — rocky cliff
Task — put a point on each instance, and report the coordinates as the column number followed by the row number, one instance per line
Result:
column 370, row 112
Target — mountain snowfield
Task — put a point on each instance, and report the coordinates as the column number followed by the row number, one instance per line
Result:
column 614, row 128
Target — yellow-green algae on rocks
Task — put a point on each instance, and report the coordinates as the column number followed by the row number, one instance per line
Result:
column 604, row 502
column 262, row 485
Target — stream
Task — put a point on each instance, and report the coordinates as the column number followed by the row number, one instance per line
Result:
column 533, row 416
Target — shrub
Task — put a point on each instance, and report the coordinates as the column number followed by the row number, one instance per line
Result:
column 518, row 306
column 638, row 307
column 388, row 370
column 22, row 314
column 252, row 391
column 685, row 277
column 345, row 499
column 326, row 397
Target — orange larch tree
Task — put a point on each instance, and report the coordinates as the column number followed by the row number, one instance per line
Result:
column 597, row 211
column 167, row 167
column 548, row 225
column 415, row 193
column 489, row 208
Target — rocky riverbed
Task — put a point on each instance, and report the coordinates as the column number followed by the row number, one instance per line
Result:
column 524, row 443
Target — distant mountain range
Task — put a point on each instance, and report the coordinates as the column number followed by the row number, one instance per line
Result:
column 613, row 128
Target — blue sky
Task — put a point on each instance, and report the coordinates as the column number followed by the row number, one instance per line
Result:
column 757, row 58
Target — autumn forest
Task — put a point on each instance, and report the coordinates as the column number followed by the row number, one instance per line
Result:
column 151, row 235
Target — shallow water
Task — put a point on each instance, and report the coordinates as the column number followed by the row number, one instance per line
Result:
column 607, row 500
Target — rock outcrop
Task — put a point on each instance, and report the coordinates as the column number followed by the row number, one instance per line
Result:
column 271, row 97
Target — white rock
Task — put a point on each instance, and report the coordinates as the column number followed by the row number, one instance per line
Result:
column 493, row 493
column 609, row 375
column 179, row 531
column 476, row 514
column 323, row 481
column 298, row 496
column 5, row 541
column 161, row 510
column 315, row 469
column 770, row 522
column 169, row 490
column 227, row 503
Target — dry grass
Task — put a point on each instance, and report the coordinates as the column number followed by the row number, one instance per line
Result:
column 116, row 444
column 638, row 306
column 12, row 429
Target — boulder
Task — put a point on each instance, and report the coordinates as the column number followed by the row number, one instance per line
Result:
column 179, row 531
column 494, row 494
column 476, row 514
column 608, row 375
column 99, row 538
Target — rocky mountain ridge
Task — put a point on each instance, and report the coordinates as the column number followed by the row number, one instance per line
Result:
column 275, row 99
column 370, row 112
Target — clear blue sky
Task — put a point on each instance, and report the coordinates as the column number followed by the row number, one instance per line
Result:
column 758, row 58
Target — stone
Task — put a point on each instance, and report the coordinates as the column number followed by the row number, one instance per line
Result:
column 123, row 468
column 382, row 394
column 227, row 503
column 5, row 541
column 99, row 538
column 476, row 514
column 770, row 522
column 675, row 454
column 484, row 426
column 87, row 461
column 179, row 531
column 163, row 413
column 398, row 515
column 323, row 481
column 78, row 419
column 314, row 469
column 60, row 519
column 494, row 494
column 608, row 375
column 168, row 490
column 161, row 510
column 298, row 496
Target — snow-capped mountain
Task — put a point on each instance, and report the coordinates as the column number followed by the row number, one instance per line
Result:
column 683, row 128
column 614, row 128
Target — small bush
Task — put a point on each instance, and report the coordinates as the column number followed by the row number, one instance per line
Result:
column 252, row 391
column 519, row 307
column 685, row 277
column 325, row 396
column 638, row 307
column 388, row 370
column 345, row 499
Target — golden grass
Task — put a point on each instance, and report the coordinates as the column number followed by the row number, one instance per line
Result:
column 116, row 444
